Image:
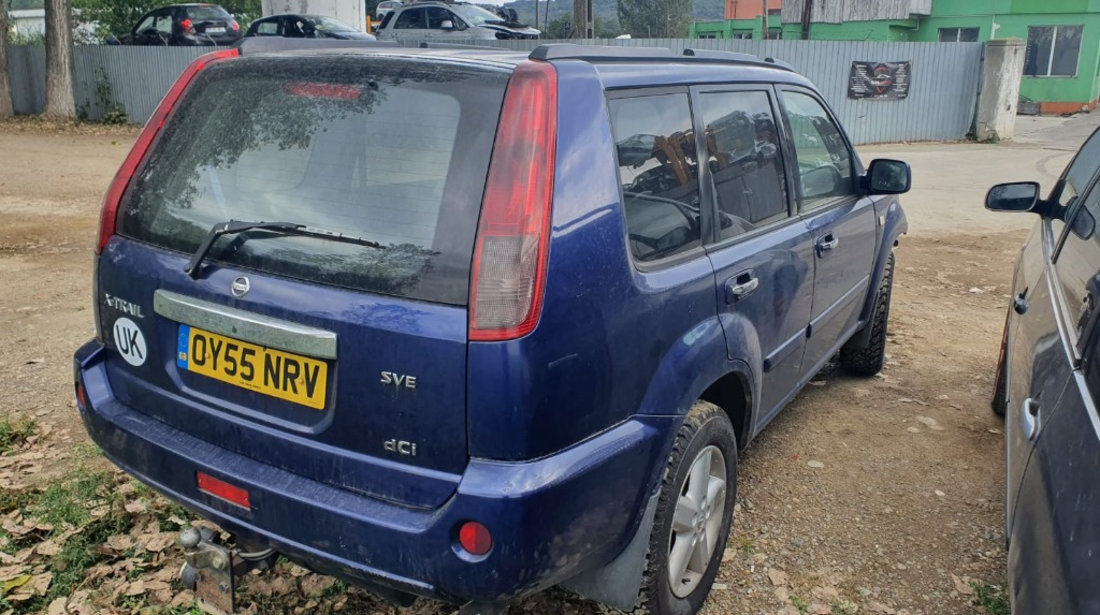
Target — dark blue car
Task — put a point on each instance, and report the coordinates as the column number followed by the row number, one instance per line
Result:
column 1047, row 388
column 472, row 323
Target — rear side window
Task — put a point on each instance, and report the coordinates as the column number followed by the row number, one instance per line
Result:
column 659, row 172
column 412, row 19
column 745, row 160
column 391, row 151
column 206, row 13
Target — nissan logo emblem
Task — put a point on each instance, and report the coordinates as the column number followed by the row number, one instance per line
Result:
column 240, row 286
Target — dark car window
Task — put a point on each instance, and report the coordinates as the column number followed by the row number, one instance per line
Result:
column 745, row 160
column 145, row 24
column 393, row 151
column 437, row 15
column 1078, row 263
column 824, row 160
column 1076, row 178
column 411, row 19
column 658, row 169
column 206, row 13
column 267, row 28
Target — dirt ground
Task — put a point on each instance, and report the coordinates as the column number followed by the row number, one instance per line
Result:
column 881, row 495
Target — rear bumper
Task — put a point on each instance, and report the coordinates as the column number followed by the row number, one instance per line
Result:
column 551, row 518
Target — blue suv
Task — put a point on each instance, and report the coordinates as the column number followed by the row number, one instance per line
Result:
column 470, row 323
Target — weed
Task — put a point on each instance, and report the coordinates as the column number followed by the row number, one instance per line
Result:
column 800, row 604
column 844, row 607
column 15, row 431
column 70, row 501
column 990, row 598
column 746, row 547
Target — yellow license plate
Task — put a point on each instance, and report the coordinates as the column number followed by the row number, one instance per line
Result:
column 285, row 375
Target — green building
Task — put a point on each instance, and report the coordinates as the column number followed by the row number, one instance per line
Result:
column 1062, row 68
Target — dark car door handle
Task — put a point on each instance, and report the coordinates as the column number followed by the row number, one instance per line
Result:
column 741, row 285
column 1029, row 419
column 827, row 244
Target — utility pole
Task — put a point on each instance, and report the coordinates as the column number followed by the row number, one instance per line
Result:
column 582, row 19
column 807, row 14
column 766, row 37
column 537, row 14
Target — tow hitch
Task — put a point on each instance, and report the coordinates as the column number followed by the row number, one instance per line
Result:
column 211, row 569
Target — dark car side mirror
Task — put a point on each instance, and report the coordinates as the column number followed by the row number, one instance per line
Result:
column 886, row 176
column 1014, row 197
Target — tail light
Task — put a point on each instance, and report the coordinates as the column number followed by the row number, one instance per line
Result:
column 187, row 26
column 236, row 26
column 513, row 234
column 109, row 213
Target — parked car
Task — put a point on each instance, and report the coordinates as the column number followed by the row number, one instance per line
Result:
column 449, row 20
column 183, row 24
column 1048, row 387
column 384, row 7
column 292, row 25
column 332, row 316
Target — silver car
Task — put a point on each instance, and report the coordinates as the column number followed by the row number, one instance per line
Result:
column 449, row 20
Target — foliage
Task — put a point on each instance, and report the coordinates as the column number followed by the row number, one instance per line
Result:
column 118, row 17
column 562, row 27
column 655, row 18
column 15, row 431
column 991, row 599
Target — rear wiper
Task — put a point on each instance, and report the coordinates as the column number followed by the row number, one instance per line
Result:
column 234, row 227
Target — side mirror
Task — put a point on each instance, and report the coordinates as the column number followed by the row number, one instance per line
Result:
column 447, row 24
column 1016, row 197
column 886, row 176
column 112, row 40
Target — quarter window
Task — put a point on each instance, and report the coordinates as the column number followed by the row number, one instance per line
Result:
column 658, row 169
column 1052, row 51
column 745, row 160
column 824, row 160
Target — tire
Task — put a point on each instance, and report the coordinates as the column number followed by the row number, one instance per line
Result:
column 868, row 359
column 706, row 442
column 1000, row 381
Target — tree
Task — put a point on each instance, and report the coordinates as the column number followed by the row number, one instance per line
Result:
column 59, row 60
column 655, row 18
column 6, row 110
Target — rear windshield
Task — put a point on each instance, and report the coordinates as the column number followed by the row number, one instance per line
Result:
column 206, row 13
column 393, row 151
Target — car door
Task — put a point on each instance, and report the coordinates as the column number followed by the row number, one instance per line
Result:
column 1045, row 331
column 411, row 24
column 842, row 224
column 1054, row 540
column 761, row 252
column 436, row 16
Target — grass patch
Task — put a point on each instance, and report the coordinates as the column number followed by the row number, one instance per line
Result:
column 15, row 432
column 71, row 501
column 800, row 604
column 991, row 599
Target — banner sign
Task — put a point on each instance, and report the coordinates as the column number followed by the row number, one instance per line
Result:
column 879, row 80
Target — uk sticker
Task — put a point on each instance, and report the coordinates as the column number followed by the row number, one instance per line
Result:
column 130, row 342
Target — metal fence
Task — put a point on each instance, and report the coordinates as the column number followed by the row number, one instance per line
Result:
column 940, row 105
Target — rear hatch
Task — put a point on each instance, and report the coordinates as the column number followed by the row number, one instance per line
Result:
column 213, row 22
column 338, row 351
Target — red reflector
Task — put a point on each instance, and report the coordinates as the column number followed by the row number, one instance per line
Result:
column 109, row 213
column 222, row 490
column 475, row 538
column 324, row 90
column 81, row 396
column 509, row 268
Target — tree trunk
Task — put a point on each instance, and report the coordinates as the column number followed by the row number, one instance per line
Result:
column 59, row 60
column 6, row 110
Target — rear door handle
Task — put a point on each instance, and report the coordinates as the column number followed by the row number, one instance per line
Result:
column 741, row 285
column 1029, row 419
column 827, row 243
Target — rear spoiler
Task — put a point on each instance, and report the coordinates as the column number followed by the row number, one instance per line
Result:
column 273, row 44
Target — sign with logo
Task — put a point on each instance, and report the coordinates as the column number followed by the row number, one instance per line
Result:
column 879, row 80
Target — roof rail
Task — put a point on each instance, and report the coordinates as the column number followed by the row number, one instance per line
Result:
column 609, row 53
column 264, row 44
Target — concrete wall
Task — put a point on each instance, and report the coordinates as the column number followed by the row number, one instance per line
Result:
column 1004, row 62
